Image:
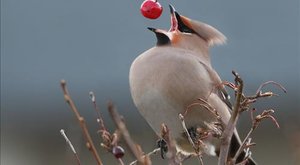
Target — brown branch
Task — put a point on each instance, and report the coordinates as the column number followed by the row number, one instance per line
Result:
column 243, row 146
column 265, row 115
column 110, row 140
column 229, row 129
column 203, row 104
column 255, row 122
column 199, row 155
column 89, row 143
column 259, row 94
column 120, row 161
column 172, row 152
column 121, row 126
column 271, row 82
column 97, row 110
column 148, row 155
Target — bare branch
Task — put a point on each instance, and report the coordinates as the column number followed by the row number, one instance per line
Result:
column 148, row 154
column 264, row 115
column 121, row 126
column 89, row 143
column 271, row 82
column 229, row 129
column 203, row 103
column 172, row 152
column 120, row 161
column 110, row 140
column 243, row 145
column 97, row 110
column 259, row 94
column 199, row 155
column 255, row 122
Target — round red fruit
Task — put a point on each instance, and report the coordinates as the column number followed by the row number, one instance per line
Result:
column 151, row 9
column 118, row 151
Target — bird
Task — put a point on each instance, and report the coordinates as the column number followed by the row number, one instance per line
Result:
column 166, row 79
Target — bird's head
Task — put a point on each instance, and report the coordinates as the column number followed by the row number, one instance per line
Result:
column 188, row 34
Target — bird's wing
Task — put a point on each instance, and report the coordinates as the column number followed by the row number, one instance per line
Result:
column 219, row 87
column 224, row 96
column 221, row 92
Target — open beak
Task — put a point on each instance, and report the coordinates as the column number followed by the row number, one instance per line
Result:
column 179, row 22
column 174, row 22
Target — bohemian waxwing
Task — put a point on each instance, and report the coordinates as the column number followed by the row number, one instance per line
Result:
column 169, row 77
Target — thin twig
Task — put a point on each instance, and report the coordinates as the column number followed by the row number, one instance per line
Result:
column 89, row 143
column 172, row 152
column 109, row 140
column 148, row 154
column 229, row 129
column 199, row 156
column 205, row 105
column 121, row 162
column 97, row 110
column 242, row 146
column 265, row 115
column 121, row 126
column 255, row 122
column 62, row 132
column 271, row 82
column 259, row 94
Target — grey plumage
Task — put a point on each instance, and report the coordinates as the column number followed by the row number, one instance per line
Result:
column 167, row 78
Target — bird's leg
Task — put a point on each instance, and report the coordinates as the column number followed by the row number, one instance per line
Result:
column 162, row 144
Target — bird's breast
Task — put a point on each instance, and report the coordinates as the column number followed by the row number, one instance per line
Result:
column 176, row 74
column 163, row 82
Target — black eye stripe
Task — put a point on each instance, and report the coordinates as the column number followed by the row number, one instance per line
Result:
column 162, row 39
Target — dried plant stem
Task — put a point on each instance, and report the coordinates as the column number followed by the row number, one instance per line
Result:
column 97, row 110
column 206, row 106
column 173, row 159
column 109, row 140
column 148, row 154
column 70, row 145
column 242, row 147
column 89, row 143
column 228, row 132
column 121, row 126
column 271, row 82
column 121, row 161
column 190, row 139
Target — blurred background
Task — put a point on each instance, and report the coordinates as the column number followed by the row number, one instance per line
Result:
column 91, row 45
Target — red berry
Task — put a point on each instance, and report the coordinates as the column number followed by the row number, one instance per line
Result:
column 151, row 9
column 118, row 151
